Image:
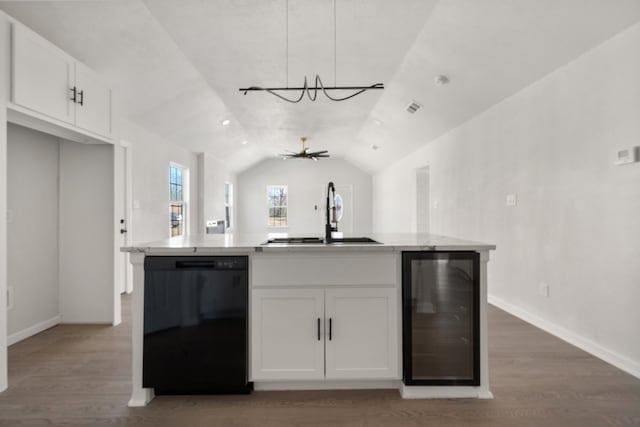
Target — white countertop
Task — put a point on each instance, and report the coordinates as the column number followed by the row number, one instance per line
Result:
column 240, row 243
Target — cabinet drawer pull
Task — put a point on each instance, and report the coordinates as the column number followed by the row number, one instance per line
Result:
column 318, row 329
column 74, row 92
column 330, row 328
column 81, row 93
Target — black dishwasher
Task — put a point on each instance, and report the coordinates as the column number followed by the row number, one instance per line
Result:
column 195, row 324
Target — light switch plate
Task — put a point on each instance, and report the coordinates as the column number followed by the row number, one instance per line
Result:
column 512, row 200
column 627, row 155
column 543, row 289
column 9, row 297
column 136, row 204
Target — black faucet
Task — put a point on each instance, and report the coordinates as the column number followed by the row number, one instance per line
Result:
column 328, row 228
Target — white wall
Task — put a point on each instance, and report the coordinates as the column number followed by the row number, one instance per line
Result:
column 32, row 234
column 212, row 176
column 307, row 181
column 4, row 96
column 151, row 157
column 576, row 224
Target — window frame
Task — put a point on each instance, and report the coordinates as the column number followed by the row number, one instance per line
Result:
column 285, row 206
column 182, row 202
column 228, row 205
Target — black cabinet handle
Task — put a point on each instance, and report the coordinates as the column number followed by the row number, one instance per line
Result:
column 74, row 92
column 318, row 329
column 330, row 322
column 81, row 93
column 195, row 264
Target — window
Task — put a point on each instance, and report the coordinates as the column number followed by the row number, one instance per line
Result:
column 277, row 205
column 228, row 204
column 177, row 205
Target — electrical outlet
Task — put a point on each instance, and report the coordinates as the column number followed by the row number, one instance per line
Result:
column 9, row 297
column 9, row 216
column 512, row 200
column 543, row 289
column 136, row 204
column 435, row 204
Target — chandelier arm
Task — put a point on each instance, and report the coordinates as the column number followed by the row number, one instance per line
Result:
column 344, row 98
column 274, row 93
column 308, row 89
column 318, row 86
column 319, row 82
column 259, row 88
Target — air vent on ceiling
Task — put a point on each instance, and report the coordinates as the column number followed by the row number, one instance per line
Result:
column 413, row 107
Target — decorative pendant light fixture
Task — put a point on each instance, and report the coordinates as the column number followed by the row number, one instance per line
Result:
column 312, row 91
column 305, row 153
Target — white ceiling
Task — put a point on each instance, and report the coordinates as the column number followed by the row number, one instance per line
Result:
column 177, row 65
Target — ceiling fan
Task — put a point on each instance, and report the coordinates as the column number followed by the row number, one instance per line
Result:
column 305, row 153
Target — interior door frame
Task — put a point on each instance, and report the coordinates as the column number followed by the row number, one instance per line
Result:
column 128, row 204
column 122, row 203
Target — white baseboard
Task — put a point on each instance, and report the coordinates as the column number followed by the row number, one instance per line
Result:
column 621, row 362
column 32, row 330
column 440, row 392
column 326, row 385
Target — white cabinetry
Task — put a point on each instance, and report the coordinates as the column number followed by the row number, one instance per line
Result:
column 93, row 107
column 339, row 325
column 363, row 342
column 47, row 81
column 287, row 341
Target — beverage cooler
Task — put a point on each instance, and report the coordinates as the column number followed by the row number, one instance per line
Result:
column 441, row 322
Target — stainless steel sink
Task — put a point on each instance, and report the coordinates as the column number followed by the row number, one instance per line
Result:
column 295, row 240
column 339, row 240
column 318, row 240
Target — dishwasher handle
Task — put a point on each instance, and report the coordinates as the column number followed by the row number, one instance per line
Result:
column 196, row 264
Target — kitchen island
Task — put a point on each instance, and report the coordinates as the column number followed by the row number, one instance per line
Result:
column 328, row 316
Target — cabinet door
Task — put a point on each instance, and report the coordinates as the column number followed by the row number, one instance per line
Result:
column 361, row 333
column 286, row 342
column 93, row 109
column 42, row 76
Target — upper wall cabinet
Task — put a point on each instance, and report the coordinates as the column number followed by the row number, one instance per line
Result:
column 48, row 81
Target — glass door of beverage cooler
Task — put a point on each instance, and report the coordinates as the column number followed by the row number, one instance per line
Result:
column 440, row 303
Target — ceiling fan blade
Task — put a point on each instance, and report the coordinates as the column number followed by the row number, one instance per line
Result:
column 315, row 153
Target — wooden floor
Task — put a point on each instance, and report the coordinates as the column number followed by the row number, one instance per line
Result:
column 80, row 375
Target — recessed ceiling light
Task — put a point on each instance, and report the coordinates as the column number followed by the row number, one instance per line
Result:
column 225, row 122
column 244, row 142
column 374, row 147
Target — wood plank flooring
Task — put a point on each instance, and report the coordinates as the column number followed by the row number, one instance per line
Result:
column 80, row 375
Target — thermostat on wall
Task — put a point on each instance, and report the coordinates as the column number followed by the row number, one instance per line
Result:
column 627, row 155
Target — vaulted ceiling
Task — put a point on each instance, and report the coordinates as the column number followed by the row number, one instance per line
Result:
column 177, row 65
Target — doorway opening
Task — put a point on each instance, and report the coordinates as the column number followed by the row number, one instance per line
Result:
column 422, row 200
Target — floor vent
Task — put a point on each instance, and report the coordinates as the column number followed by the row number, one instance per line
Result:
column 413, row 107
